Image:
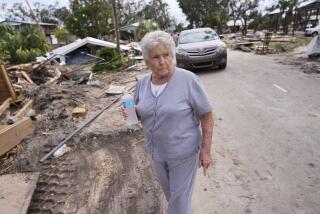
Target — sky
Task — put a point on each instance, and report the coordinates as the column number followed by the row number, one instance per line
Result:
column 174, row 8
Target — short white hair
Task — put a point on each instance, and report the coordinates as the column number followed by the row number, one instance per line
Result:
column 155, row 38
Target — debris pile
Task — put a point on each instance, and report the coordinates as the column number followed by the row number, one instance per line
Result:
column 311, row 67
column 257, row 42
column 116, row 162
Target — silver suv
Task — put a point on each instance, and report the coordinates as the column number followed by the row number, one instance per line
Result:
column 200, row 48
column 312, row 31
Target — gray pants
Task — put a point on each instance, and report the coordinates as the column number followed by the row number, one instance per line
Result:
column 177, row 180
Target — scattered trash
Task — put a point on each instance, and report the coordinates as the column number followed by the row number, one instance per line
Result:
column 61, row 151
column 244, row 48
column 31, row 113
column 79, row 111
column 115, row 89
column 94, row 83
column 135, row 67
column 12, row 119
column 258, row 35
column 79, row 76
column 311, row 67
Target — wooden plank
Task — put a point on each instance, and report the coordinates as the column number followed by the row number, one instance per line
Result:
column 5, row 105
column 13, row 134
column 16, row 191
column 3, row 126
column 4, row 93
column 7, row 82
column 26, row 76
column 24, row 109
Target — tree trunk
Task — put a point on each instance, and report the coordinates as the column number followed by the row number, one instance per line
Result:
column 244, row 31
column 116, row 25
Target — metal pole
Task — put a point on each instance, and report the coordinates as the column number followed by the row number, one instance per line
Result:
column 81, row 127
column 35, row 18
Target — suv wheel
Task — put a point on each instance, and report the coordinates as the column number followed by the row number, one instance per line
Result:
column 314, row 33
column 223, row 66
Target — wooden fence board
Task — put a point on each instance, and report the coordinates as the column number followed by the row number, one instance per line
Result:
column 11, row 135
column 5, row 105
column 6, row 89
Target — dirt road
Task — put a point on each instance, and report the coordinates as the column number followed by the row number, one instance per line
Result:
column 267, row 141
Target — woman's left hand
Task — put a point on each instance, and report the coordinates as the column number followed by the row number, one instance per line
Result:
column 205, row 160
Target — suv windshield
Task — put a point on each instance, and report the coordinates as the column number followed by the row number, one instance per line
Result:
column 197, row 36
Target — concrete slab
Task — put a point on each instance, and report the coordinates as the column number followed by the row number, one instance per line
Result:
column 16, row 191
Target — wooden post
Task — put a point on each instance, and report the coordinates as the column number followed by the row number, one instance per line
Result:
column 5, row 105
column 7, row 82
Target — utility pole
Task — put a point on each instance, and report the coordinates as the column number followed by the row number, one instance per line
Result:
column 35, row 18
column 116, row 26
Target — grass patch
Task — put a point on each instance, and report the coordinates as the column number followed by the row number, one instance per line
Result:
column 281, row 47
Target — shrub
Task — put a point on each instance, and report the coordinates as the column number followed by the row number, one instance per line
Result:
column 21, row 46
column 113, row 60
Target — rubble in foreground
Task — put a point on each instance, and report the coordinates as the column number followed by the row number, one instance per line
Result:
column 106, row 169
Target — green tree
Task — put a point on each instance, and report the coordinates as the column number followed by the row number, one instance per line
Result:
column 218, row 20
column 89, row 18
column 179, row 27
column 244, row 10
column 144, row 27
column 286, row 13
column 63, row 35
column 112, row 59
column 200, row 13
column 21, row 46
column 157, row 11
column 128, row 11
column 61, row 14
column 190, row 8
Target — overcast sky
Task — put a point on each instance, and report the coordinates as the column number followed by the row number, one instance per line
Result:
column 174, row 8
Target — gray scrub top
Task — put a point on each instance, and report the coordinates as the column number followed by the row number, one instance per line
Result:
column 171, row 121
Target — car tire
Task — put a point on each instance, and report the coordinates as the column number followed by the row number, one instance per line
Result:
column 314, row 34
column 223, row 65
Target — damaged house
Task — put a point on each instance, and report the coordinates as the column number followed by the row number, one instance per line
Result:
column 73, row 53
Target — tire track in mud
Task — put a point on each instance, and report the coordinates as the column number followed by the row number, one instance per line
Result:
column 101, row 174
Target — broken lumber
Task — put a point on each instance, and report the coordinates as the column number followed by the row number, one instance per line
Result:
column 16, row 192
column 24, row 109
column 12, row 135
column 6, row 89
column 5, row 105
column 244, row 48
column 26, row 76
column 55, row 78
column 245, row 43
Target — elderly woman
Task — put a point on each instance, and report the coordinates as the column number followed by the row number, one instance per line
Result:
column 172, row 104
